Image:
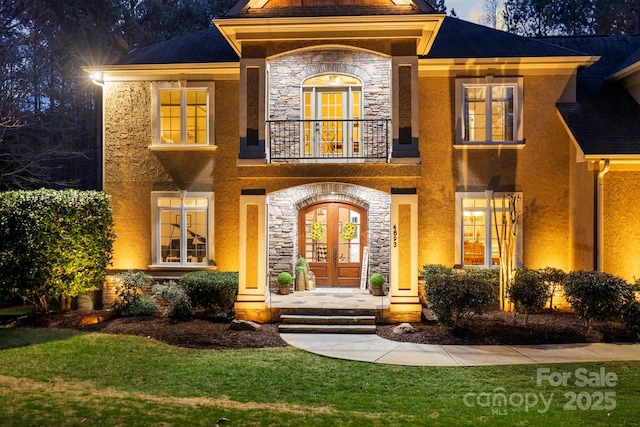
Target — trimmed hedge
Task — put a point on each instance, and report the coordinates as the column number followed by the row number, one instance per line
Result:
column 431, row 270
column 455, row 298
column 54, row 244
column 528, row 291
column 597, row 295
column 211, row 289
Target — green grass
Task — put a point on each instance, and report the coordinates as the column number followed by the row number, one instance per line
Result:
column 63, row 377
column 14, row 311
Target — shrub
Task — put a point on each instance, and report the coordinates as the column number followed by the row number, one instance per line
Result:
column 211, row 289
column 454, row 298
column 492, row 277
column 553, row 279
column 376, row 280
column 631, row 317
column 54, row 244
column 175, row 295
column 596, row 295
column 528, row 291
column 284, row 278
column 131, row 299
column 430, row 270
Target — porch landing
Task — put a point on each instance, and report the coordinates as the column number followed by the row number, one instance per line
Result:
column 339, row 300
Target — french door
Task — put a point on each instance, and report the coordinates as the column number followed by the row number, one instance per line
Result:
column 331, row 123
column 332, row 236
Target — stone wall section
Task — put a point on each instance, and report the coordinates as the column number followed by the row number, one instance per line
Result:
column 283, row 209
column 287, row 74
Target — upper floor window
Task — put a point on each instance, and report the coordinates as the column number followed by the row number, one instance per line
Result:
column 489, row 111
column 479, row 222
column 182, row 227
column 183, row 114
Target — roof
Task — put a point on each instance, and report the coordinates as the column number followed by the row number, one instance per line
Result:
column 462, row 39
column 456, row 39
column 633, row 59
column 605, row 119
column 206, row 46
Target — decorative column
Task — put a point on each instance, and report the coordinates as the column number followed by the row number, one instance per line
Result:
column 252, row 110
column 251, row 301
column 404, row 304
column 405, row 116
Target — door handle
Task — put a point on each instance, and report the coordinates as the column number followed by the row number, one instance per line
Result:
column 335, row 254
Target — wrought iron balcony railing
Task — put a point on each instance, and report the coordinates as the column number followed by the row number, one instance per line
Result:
column 328, row 139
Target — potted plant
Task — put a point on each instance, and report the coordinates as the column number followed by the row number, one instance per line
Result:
column 284, row 280
column 302, row 274
column 376, row 280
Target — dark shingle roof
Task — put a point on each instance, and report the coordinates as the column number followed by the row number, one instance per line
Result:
column 605, row 119
column 630, row 61
column 206, row 46
column 462, row 39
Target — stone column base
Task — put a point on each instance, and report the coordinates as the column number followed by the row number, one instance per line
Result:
column 404, row 309
column 256, row 312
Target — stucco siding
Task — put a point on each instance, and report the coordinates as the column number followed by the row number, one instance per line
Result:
column 621, row 226
column 582, row 214
column 227, row 185
column 130, row 171
column 540, row 170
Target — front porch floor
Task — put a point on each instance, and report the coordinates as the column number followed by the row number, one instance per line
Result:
column 329, row 299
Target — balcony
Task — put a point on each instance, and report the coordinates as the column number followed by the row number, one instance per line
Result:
column 330, row 140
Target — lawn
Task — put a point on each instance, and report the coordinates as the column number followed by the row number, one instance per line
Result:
column 64, row 377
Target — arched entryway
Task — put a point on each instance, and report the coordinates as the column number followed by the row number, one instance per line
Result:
column 286, row 207
column 332, row 236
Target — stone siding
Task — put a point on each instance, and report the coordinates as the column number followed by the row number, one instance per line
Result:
column 283, row 223
column 287, row 74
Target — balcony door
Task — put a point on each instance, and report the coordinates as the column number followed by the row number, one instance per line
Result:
column 331, row 237
column 332, row 108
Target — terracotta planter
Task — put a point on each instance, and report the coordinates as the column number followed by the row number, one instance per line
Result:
column 284, row 289
column 377, row 291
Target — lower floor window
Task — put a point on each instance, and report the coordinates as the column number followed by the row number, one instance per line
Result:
column 480, row 218
column 182, row 226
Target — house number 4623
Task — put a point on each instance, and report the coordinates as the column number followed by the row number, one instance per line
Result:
column 395, row 236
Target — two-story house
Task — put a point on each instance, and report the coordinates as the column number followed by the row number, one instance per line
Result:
column 349, row 128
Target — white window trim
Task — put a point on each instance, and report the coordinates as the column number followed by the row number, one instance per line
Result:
column 182, row 85
column 459, row 238
column 518, row 116
column 155, row 241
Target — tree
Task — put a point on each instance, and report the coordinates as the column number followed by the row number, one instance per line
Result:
column 438, row 5
column 572, row 17
column 531, row 18
column 507, row 231
column 491, row 16
column 48, row 121
column 617, row 17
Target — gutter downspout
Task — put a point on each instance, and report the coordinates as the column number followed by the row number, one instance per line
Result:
column 600, row 216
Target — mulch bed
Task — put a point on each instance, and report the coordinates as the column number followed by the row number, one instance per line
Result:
column 491, row 328
column 497, row 328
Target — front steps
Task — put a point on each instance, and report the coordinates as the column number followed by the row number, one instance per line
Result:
column 327, row 321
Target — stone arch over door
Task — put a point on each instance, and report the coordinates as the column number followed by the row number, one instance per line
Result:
column 283, row 208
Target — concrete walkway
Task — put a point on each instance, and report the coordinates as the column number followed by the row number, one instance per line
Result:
column 372, row 348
